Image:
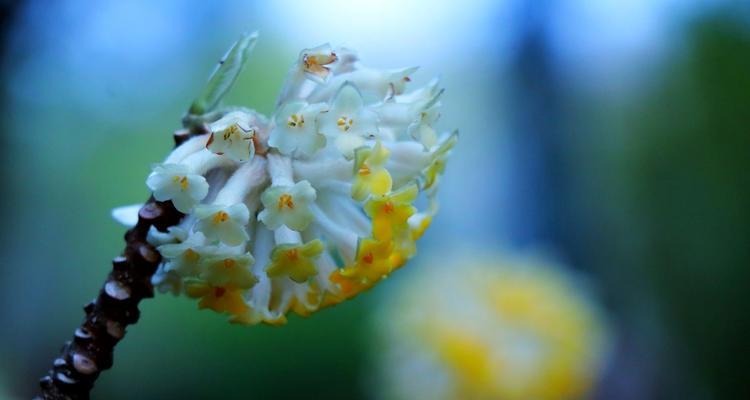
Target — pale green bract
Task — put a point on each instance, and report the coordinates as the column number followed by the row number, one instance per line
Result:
column 225, row 74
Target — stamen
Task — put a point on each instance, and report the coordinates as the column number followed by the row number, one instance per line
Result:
column 388, row 207
column 344, row 123
column 296, row 121
column 315, row 63
column 220, row 217
column 364, row 170
column 229, row 263
column 309, row 61
column 231, row 130
column 368, row 258
column 292, row 255
column 286, row 200
column 219, row 292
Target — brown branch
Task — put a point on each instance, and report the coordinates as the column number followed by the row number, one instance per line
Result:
column 74, row 372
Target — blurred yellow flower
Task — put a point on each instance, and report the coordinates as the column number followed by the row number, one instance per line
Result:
column 491, row 328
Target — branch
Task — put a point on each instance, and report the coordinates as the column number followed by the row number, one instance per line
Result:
column 74, row 373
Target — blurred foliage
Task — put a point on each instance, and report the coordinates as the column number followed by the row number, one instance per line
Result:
column 198, row 356
column 690, row 182
column 666, row 208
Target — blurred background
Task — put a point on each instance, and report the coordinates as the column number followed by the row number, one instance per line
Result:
column 610, row 135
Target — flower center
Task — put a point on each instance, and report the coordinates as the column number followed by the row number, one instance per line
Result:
column 191, row 255
column 314, row 63
column 292, row 255
column 220, row 217
column 230, row 131
column 229, row 263
column 345, row 123
column 219, row 292
column 368, row 258
column 182, row 180
column 286, row 200
column 388, row 207
column 296, row 121
column 364, row 170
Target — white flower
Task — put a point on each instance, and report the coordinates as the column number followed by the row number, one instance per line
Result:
column 399, row 114
column 175, row 182
column 167, row 280
column 174, row 234
column 308, row 208
column 377, row 84
column 313, row 61
column 312, row 65
column 185, row 256
column 347, row 61
column 422, row 129
column 296, row 129
column 226, row 224
column 232, row 136
column 287, row 205
column 347, row 121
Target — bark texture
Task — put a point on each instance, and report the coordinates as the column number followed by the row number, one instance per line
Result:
column 83, row 358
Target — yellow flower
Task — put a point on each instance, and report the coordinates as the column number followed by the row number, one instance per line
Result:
column 370, row 175
column 223, row 299
column 371, row 265
column 433, row 171
column 230, row 270
column 390, row 212
column 491, row 329
column 296, row 261
column 420, row 226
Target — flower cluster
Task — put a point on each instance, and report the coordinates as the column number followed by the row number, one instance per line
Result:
column 496, row 329
column 306, row 208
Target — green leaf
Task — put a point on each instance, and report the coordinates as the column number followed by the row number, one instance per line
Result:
column 225, row 74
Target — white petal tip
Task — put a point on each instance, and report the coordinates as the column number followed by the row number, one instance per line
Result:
column 127, row 215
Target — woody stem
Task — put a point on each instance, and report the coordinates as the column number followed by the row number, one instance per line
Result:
column 74, row 372
column 91, row 350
